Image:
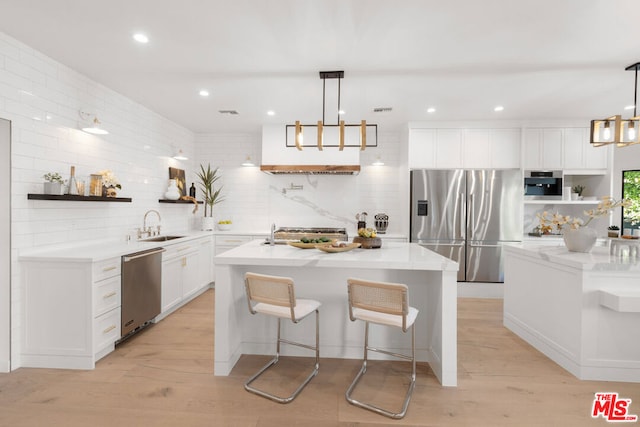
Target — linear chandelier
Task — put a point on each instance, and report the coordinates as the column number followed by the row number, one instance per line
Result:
column 615, row 129
column 346, row 133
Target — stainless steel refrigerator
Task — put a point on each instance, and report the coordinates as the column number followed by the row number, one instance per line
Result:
column 468, row 215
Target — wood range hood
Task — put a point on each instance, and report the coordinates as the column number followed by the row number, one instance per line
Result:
column 311, row 169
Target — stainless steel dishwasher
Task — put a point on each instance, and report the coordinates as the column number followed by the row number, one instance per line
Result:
column 141, row 288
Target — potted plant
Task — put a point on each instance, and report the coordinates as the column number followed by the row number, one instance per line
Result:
column 208, row 178
column 53, row 184
column 577, row 189
column 613, row 231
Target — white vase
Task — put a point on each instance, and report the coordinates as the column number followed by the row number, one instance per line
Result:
column 173, row 192
column 208, row 224
column 580, row 239
column 54, row 188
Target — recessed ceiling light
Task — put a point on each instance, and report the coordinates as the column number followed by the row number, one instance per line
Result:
column 498, row 108
column 141, row 38
column 431, row 110
column 629, row 107
column 271, row 113
column 204, row 93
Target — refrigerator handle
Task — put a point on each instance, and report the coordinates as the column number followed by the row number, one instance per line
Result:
column 461, row 225
column 472, row 212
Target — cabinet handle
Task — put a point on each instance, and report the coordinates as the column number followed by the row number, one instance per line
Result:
column 233, row 241
column 113, row 267
column 109, row 329
column 184, row 249
column 184, row 261
column 109, row 295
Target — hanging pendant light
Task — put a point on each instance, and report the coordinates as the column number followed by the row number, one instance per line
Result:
column 359, row 132
column 615, row 129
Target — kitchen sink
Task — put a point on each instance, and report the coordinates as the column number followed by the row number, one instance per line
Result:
column 161, row 238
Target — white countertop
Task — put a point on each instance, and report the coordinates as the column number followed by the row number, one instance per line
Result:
column 392, row 255
column 597, row 259
column 100, row 250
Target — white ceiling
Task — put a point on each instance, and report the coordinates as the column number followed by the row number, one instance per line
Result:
column 543, row 59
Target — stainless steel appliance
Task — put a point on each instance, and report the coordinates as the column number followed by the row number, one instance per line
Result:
column 141, row 289
column 284, row 234
column 543, row 185
column 467, row 216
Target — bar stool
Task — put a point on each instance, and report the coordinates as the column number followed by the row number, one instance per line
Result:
column 275, row 296
column 386, row 304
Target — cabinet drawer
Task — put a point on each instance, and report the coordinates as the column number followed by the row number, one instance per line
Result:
column 106, row 329
column 232, row 240
column 180, row 250
column 106, row 295
column 107, row 268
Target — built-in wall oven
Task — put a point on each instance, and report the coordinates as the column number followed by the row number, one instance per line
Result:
column 141, row 289
column 543, row 184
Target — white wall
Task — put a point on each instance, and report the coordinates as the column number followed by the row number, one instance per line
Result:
column 254, row 199
column 5, row 245
column 42, row 98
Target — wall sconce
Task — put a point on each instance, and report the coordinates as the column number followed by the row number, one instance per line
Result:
column 180, row 155
column 91, row 124
column 248, row 162
column 378, row 162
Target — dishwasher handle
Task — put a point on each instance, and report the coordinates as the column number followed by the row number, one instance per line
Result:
column 137, row 255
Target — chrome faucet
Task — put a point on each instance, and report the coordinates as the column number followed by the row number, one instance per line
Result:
column 147, row 230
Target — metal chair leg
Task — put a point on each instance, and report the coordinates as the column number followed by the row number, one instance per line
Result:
column 363, row 369
column 276, row 358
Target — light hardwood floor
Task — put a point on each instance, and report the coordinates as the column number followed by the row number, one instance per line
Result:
column 164, row 377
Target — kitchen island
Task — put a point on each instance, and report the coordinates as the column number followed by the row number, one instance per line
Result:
column 323, row 276
column 582, row 310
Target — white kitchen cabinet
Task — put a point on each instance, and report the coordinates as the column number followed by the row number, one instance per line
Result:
column 71, row 312
column 565, row 149
column 505, row 148
column 205, row 262
column 543, row 148
column 579, row 154
column 449, row 148
column 224, row 242
column 422, row 148
column 180, row 263
column 464, row 148
column 477, row 149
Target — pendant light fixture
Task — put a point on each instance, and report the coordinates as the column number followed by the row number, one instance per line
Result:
column 615, row 129
column 344, row 131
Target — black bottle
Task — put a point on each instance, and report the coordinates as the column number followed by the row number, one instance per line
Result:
column 192, row 190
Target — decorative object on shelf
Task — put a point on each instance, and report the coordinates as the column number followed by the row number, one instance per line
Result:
column 615, row 129
column 367, row 237
column 339, row 128
column 211, row 196
column 362, row 220
column 613, row 231
column 72, row 188
column 192, row 190
column 178, row 175
column 381, row 222
column 225, row 225
column 53, row 184
column 578, row 189
column 110, row 184
column 95, row 185
column 172, row 192
column 577, row 236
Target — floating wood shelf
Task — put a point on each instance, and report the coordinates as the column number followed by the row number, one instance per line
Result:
column 74, row 198
column 177, row 201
